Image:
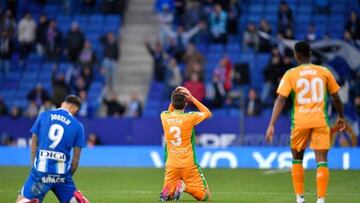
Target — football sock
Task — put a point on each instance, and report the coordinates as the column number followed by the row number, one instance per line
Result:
column 297, row 173
column 197, row 193
column 322, row 179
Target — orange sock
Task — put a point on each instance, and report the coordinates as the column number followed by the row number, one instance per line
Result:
column 322, row 178
column 197, row 193
column 297, row 173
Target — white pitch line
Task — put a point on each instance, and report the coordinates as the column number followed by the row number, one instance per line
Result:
column 277, row 171
column 218, row 193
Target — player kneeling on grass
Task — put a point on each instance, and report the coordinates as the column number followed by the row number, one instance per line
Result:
column 182, row 173
column 55, row 134
column 309, row 86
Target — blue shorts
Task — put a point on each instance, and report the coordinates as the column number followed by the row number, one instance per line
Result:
column 38, row 184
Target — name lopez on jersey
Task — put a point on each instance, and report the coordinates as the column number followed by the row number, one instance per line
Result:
column 60, row 118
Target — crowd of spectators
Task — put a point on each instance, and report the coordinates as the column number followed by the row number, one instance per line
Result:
column 177, row 61
column 43, row 37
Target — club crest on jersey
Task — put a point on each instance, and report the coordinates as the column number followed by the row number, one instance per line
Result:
column 58, row 156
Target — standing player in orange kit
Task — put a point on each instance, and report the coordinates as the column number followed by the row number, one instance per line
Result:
column 182, row 172
column 309, row 86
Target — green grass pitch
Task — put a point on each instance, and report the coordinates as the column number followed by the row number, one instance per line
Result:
column 227, row 185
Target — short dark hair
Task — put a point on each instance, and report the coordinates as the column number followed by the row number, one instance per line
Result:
column 303, row 48
column 74, row 100
column 178, row 99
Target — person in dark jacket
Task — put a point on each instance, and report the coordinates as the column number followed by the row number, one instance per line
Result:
column 253, row 104
column 53, row 41
column 353, row 26
column 74, row 42
column 38, row 95
column 6, row 51
column 41, row 34
column 157, row 54
column 111, row 55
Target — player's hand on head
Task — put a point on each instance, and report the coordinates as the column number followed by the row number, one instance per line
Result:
column 269, row 134
column 341, row 124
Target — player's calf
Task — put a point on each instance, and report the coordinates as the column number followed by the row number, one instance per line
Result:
column 79, row 198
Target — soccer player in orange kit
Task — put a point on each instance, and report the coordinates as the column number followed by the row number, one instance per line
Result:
column 309, row 85
column 182, row 172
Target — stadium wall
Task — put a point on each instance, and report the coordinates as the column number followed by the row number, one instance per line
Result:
column 152, row 157
column 216, row 132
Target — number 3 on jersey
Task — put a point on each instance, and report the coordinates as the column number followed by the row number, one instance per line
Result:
column 176, row 132
column 56, row 133
column 316, row 88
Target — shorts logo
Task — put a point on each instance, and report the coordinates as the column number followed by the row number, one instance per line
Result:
column 52, row 179
column 58, row 156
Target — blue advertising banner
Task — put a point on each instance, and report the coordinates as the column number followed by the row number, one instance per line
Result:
column 147, row 156
column 215, row 132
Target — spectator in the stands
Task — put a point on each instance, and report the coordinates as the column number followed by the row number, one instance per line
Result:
column 80, row 85
column 353, row 26
column 93, row 140
column 265, row 32
column 218, row 25
column 16, row 112
column 158, row 55
column 288, row 33
column 182, row 37
column 311, row 34
column 87, row 57
column 6, row 50
column 192, row 55
column 41, row 34
column 87, row 73
column 38, row 95
column 287, row 63
column 251, row 38
column 113, row 107
column 233, row 16
column 357, row 105
column 74, row 42
column 47, row 106
column 194, row 68
column 193, row 14
column 272, row 75
column 32, row 110
column 218, row 92
column 285, row 17
column 111, row 6
column 111, row 55
column 59, row 87
column 8, row 23
column 88, row 6
column 173, row 76
column 134, row 107
column 85, row 108
column 53, row 41
column 196, row 87
column 26, row 35
column 165, row 17
column 253, row 104
column 3, row 107
column 223, row 73
column 180, row 8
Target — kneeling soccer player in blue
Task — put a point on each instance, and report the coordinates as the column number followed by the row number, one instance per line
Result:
column 54, row 134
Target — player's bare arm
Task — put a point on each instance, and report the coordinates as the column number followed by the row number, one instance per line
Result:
column 278, row 107
column 339, row 108
column 34, row 146
column 75, row 160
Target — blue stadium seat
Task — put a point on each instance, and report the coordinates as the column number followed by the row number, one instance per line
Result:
column 112, row 20
column 271, row 9
column 98, row 19
column 22, row 103
column 319, row 19
column 256, row 8
column 338, row 8
column 254, row 18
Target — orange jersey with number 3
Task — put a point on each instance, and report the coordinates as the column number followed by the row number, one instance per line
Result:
column 309, row 86
column 180, row 136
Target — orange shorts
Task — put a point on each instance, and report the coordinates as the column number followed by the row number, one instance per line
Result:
column 192, row 177
column 319, row 138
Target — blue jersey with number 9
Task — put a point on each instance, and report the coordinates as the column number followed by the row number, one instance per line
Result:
column 58, row 132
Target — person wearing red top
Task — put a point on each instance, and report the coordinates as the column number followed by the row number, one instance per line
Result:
column 196, row 87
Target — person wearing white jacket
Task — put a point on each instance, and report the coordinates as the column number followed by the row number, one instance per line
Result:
column 26, row 34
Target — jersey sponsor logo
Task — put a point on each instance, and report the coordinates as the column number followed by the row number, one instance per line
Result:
column 61, row 118
column 179, row 150
column 53, row 179
column 310, row 110
column 58, row 156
